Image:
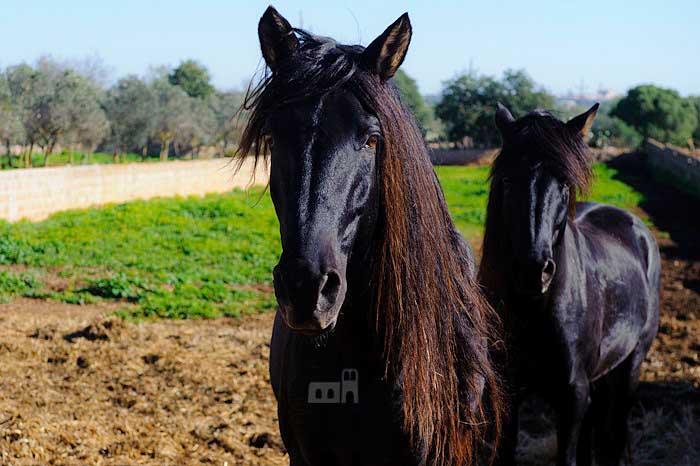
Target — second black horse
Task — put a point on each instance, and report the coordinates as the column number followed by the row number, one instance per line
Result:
column 576, row 284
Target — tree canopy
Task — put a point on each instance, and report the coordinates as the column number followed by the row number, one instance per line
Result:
column 413, row 99
column 658, row 113
column 468, row 103
column 193, row 78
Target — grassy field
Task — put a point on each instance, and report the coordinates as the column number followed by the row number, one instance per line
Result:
column 194, row 257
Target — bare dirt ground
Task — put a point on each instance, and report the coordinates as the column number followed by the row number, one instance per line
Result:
column 82, row 388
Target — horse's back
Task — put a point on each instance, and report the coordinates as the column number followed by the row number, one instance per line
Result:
column 624, row 267
column 626, row 228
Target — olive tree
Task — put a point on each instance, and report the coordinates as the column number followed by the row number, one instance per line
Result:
column 131, row 108
column 11, row 127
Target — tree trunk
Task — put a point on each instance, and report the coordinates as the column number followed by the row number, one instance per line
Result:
column 144, row 152
column 9, row 153
column 48, row 151
column 71, row 155
column 28, row 156
column 164, row 146
column 115, row 156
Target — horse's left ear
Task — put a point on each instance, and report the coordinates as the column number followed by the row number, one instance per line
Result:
column 386, row 53
column 582, row 123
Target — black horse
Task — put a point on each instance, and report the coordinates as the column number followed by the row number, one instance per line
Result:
column 380, row 347
column 577, row 286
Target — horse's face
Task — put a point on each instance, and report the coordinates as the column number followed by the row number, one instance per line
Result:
column 535, row 209
column 321, row 182
column 322, row 178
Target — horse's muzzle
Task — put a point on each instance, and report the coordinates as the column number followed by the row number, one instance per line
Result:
column 309, row 296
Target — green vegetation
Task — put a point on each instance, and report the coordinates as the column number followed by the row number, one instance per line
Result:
column 468, row 104
column 195, row 257
column 658, row 113
column 408, row 88
column 193, row 78
column 168, row 257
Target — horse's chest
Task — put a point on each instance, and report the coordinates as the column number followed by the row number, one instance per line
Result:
column 341, row 416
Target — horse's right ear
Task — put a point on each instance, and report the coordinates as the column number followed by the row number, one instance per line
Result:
column 504, row 120
column 386, row 53
column 277, row 38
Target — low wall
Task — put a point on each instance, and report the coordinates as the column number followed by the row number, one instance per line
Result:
column 462, row 156
column 670, row 164
column 36, row 193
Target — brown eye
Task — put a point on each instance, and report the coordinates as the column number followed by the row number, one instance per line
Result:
column 372, row 142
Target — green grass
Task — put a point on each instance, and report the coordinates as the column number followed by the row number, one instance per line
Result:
column 194, row 257
column 79, row 158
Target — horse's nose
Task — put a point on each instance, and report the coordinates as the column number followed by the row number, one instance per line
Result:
column 548, row 270
column 309, row 295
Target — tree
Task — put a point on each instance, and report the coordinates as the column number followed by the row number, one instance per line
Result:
column 225, row 107
column 11, row 128
column 196, row 126
column 131, row 108
column 658, row 113
column 696, row 102
column 412, row 97
column 611, row 131
column 193, row 78
column 172, row 104
column 88, row 124
column 468, row 103
column 21, row 82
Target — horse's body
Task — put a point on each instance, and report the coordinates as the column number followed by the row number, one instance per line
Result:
column 377, row 293
column 579, row 340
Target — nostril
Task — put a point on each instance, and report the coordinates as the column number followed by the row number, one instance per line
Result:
column 331, row 287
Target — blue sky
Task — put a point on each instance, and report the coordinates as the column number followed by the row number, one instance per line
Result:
column 562, row 44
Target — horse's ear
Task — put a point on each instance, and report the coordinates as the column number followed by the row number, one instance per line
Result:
column 504, row 120
column 386, row 53
column 582, row 123
column 277, row 38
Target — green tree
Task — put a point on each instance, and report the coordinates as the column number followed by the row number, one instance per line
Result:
column 468, row 103
column 611, row 131
column 696, row 103
column 11, row 128
column 193, row 78
column 412, row 97
column 658, row 113
column 131, row 109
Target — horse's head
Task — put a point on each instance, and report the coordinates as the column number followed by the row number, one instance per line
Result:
column 324, row 143
column 542, row 165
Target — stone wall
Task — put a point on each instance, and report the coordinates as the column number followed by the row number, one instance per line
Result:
column 36, row 193
column 671, row 164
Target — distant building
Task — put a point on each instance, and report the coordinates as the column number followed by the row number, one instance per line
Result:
column 584, row 99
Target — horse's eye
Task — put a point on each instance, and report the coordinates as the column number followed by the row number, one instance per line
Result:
column 372, row 142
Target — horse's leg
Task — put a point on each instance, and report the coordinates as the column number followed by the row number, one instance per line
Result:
column 584, row 455
column 573, row 409
column 613, row 429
